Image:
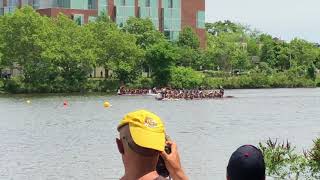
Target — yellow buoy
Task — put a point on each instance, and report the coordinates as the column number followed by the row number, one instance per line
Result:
column 106, row 104
column 28, row 101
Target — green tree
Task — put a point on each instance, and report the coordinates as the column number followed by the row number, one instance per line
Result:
column 71, row 51
column 162, row 57
column 240, row 59
column 303, row 52
column 101, row 30
column 124, row 55
column 146, row 35
column 23, row 33
column 190, row 57
column 26, row 34
column 1, row 41
column 188, row 38
column 225, row 27
column 268, row 54
column 253, row 47
column 207, row 59
column 116, row 50
column 311, row 70
column 144, row 31
column 317, row 61
column 283, row 55
column 220, row 49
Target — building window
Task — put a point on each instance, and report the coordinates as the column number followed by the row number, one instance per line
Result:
column 171, row 18
column 24, row 2
column 92, row 4
column 147, row 3
column 123, row 2
column 103, row 8
column 79, row 19
column 170, row 4
column 12, row 3
column 167, row 34
column 92, row 19
column 124, row 10
column 63, row 3
column 201, row 19
column 149, row 9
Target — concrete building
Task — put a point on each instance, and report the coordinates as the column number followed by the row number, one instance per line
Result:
column 168, row 16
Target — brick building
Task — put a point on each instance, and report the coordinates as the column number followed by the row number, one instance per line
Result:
column 169, row 16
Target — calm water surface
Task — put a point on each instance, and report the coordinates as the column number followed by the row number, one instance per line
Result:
column 46, row 141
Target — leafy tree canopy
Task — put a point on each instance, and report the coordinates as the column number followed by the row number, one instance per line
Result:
column 188, row 38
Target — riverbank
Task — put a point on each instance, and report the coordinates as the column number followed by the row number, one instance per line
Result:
column 257, row 81
column 250, row 81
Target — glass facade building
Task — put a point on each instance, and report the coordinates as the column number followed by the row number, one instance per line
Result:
column 124, row 10
column 168, row 16
column 201, row 20
column 171, row 18
column 67, row 4
column 8, row 6
column 150, row 9
column 103, row 7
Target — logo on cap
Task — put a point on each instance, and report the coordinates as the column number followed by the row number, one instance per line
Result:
column 149, row 122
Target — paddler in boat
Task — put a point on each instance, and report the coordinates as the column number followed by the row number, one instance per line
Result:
column 221, row 91
column 120, row 90
column 160, row 94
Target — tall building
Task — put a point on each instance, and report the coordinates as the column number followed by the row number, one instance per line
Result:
column 168, row 16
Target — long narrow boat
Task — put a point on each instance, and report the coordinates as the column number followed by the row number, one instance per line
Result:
column 137, row 94
column 175, row 99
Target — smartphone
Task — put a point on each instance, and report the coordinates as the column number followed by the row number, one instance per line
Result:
column 161, row 166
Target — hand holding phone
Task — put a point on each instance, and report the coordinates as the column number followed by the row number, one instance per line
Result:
column 172, row 162
column 161, row 166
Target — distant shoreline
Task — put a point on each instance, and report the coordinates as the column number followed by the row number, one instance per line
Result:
column 6, row 94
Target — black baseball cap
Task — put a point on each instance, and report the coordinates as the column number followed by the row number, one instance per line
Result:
column 246, row 163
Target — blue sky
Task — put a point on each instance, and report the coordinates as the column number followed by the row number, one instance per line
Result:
column 285, row 19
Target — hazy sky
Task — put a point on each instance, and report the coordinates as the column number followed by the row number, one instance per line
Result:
column 285, row 19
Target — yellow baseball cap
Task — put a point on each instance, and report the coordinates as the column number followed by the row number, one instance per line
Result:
column 147, row 129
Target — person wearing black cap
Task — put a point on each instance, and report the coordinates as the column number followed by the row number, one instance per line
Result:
column 246, row 163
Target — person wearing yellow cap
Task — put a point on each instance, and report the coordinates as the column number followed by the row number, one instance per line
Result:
column 141, row 141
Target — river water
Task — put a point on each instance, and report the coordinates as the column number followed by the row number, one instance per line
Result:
column 43, row 140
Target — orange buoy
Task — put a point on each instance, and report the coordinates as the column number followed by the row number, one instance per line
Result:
column 65, row 103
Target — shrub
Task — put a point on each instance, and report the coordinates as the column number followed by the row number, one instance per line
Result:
column 182, row 77
column 282, row 162
column 142, row 82
column 106, row 85
column 318, row 81
column 15, row 85
column 1, row 84
column 314, row 157
column 212, row 83
column 210, row 73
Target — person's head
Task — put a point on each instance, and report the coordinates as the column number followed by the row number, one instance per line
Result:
column 246, row 163
column 142, row 138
